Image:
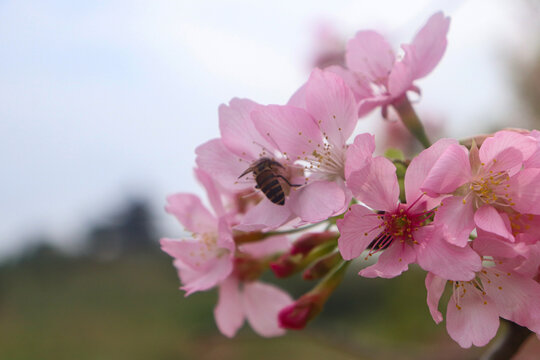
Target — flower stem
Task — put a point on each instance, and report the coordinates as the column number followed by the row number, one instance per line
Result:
column 411, row 120
column 508, row 345
column 291, row 231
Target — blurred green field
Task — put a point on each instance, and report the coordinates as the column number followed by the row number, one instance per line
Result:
column 131, row 308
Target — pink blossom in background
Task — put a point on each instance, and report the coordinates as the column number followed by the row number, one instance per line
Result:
column 378, row 77
column 329, row 47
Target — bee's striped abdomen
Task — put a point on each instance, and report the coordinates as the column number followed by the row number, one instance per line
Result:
column 270, row 186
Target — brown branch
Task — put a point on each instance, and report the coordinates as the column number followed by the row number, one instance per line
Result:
column 508, row 345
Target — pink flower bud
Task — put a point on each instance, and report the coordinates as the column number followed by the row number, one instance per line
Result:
column 309, row 241
column 309, row 305
column 296, row 315
column 285, row 265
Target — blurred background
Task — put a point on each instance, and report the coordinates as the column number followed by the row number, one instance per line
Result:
column 103, row 104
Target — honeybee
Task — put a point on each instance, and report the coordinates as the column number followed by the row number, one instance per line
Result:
column 267, row 174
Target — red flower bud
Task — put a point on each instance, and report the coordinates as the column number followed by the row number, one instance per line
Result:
column 285, row 265
column 297, row 315
column 309, row 241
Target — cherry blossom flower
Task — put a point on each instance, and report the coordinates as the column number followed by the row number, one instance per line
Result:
column 378, row 77
column 211, row 259
column 486, row 185
column 498, row 289
column 207, row 258
column 404, row 231
column 308, row 142
column 238, row 148
column 242, row 297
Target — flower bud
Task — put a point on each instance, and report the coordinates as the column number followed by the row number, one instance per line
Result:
column 285, row 265
column 296, row 315
column 322, row 266
column 309, row 241
column 304, row 251
column 309, row 305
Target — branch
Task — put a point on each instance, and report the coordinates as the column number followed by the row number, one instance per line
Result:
column 507, row 346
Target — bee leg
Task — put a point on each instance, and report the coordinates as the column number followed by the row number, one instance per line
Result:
column 287, row 181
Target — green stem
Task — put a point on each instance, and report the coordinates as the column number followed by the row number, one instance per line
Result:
column 411, row 120
column 291, row 231
column 331, row 281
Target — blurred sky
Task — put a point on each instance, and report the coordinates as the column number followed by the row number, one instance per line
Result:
column 106, row 99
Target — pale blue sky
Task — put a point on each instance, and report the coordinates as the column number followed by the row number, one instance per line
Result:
column 105, row 99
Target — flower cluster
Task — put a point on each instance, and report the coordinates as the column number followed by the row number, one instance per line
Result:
column 467, row 215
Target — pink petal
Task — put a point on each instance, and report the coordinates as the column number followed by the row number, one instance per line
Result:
column 420, row 167
column 531, row 265
column 214, row 158
column 332, row 104
column 489, row 220
column 534, row 160
column 191, row 213
column 516, row 296
column 358, row 229
column 376, row 185
column 228, row 312
column 392, row 262
column 494, row 146
column 211, row 191
column 270, row 246
column 359, row 153
column 448, row 261
column 428, row 45
column 370, row 55
column 291, row 130
column 262, row 304
column 238, row 132
column 435, row 287
column 225, row 239
column 509, row 160
column 400, row 79
column 298, row 99
column 456, row 219
column 358, row 84
column 317, row 201
column 366, row 105
column 487, row 245
column 451, row 170
column 215, row 272
column 185, row 273
column 265, row 216
column 195, row 253
column 475, row 323
column 525, row 191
